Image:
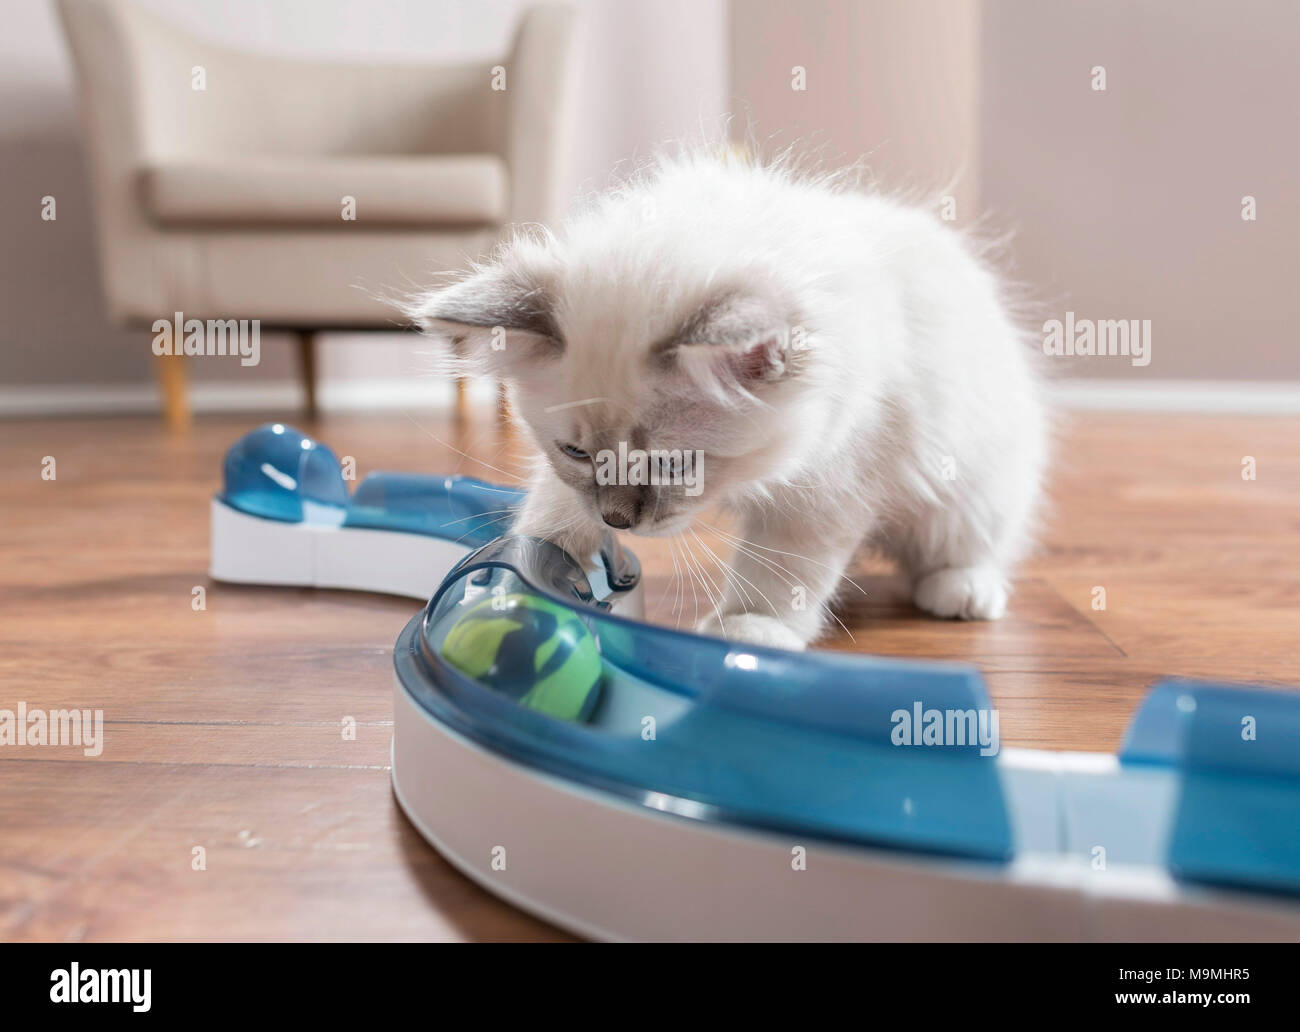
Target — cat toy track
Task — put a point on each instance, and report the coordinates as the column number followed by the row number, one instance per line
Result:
column 631, row 781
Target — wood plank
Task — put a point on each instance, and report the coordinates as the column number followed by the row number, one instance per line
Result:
column 223, row 726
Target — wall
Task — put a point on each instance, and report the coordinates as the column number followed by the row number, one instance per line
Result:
column 1125, row 203
column 893, row 82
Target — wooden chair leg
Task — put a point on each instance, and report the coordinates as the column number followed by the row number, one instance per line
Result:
column 462, row 400
column 175, row 393
column 307, row 370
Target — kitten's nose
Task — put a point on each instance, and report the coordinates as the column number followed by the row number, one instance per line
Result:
column 621, row 504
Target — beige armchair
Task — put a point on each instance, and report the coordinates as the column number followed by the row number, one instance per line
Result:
column 222, row 179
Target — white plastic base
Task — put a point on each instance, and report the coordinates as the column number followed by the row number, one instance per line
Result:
column 607, row 868
column 251, row 550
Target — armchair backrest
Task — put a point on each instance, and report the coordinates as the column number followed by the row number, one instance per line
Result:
column 137, row 82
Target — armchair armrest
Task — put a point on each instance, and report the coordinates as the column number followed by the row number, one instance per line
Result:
column 541, row 90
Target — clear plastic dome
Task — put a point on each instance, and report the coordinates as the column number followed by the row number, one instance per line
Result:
column 279, row 473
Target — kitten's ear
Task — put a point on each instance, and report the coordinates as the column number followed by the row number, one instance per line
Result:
column 497, row 319
column 732, row 347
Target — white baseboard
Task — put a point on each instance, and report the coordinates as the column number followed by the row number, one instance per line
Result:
column 277, row 396
column 432, row 393
column 1231, row 396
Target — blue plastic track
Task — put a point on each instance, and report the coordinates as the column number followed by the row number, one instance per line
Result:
column 280, row 473
column 704, row 727
column 1237, row 751
column 806, row 744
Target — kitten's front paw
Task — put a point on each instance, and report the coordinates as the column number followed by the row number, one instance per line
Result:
column 967, row 593
column 753, row 628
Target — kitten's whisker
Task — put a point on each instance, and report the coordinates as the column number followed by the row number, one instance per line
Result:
column 716, row 608
column 475, row 515
column 694, row 594
column 573, row 404
column 694, row 580
column 509, row 476
column 713, row 584
column 487, row 524
column 793, row 555
column 497, row 490
column 786, row 575
column 713, row 557
column 730, row 573
column 676, row 577
column 666, row 586
column 728, row 576
column 679, row 600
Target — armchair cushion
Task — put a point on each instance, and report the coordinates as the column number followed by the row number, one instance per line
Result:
column 308, row 189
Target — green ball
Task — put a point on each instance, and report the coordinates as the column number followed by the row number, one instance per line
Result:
column 527, row 647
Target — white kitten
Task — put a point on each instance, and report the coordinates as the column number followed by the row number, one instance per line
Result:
column 843, row 363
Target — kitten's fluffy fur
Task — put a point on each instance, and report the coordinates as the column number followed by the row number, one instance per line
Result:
column 845, row 362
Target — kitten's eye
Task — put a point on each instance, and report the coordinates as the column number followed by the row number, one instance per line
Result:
column 672, row 464
column 573, row 451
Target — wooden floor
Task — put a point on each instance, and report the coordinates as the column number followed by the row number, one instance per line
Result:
column 223, row 725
